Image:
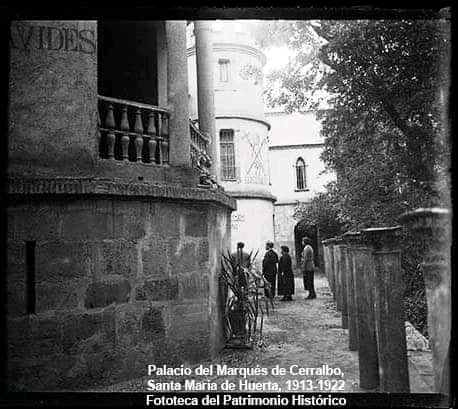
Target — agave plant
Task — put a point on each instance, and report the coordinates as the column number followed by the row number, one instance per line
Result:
column 246, row 302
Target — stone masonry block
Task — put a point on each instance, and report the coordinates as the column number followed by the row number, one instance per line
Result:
column 155, row 258
column 127, row 322
column 58, row 261
column 196, row 224
column 18, row 337
column 76, row 328
column 203, row 251
column 87, row 225
column 45, row 337
column 158, row 290
column 165, row 222
column 193, row 285
column 16, row 302
column 130, row 218
column 100, row 293
column 184, row 259
column 152, row 325
column 40, row 222
column 117, row 257
column 57, row 296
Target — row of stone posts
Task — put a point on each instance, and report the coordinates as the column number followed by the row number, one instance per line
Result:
column 364, row 274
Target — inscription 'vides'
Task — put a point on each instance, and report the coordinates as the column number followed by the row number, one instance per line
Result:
column 26, row 37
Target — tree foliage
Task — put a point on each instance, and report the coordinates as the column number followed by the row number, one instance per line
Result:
column 324, row 212
column 383, row 127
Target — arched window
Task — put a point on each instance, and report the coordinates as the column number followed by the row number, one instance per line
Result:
column 301, row 179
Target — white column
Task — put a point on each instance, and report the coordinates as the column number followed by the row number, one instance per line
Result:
column 206, row 90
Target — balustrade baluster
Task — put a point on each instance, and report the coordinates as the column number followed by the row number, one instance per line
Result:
column 110, row 124
column 138, row 135
column 152, row 143
column 165, row 150
column 124, row 126
column 159, row 138
column 164, row 125
column 159, row 150
column 99, row 125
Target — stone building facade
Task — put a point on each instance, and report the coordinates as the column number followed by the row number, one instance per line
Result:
column 241, row 127
column 114, row 243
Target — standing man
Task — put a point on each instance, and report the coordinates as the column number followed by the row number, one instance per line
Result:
column 308, row 267
column 269, row 267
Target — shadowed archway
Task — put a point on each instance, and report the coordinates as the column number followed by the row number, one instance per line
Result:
column 302, row 229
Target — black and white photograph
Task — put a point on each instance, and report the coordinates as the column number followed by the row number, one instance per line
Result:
column 229, row 207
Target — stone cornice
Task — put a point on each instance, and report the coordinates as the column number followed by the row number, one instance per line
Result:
column 18, row 186
column 297, row 146
column 241, row 116
column 252, row 195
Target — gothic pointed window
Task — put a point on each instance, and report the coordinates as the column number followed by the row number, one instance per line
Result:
column 227, row 154
column 301, row 179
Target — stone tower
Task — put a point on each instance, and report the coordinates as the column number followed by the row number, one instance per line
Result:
column 241, row 129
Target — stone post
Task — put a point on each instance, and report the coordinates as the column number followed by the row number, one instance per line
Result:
column 332, row 268
column 351, row 239
column 177, row 94
column 327, row 262
column 389, row 308
column 342, row 257
column 206, row 90
column 433, row 228
column 367, row 339
column 338, row 272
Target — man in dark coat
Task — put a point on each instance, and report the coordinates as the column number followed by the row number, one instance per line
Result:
column 285, row 275
column 308, row 267
column 269, row 268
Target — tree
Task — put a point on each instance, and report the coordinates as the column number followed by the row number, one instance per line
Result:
column 324, row 211
column 384, row 128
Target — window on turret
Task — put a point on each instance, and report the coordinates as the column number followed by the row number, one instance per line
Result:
column 224, row 69
column 227, row 154
column 301, row 179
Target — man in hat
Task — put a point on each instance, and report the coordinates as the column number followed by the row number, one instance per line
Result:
column 308, row 267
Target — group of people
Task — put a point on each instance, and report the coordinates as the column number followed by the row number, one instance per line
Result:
column 280, row 269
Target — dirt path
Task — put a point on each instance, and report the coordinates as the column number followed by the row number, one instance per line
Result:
column 299, row 334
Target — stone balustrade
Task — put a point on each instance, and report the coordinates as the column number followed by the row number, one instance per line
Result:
column 364, row 273
column 199, row 148
column 132, row 131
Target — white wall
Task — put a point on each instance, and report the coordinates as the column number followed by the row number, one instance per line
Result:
column 252, row 223
column 283, row 173
column 288, row 132
column 293, row 129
